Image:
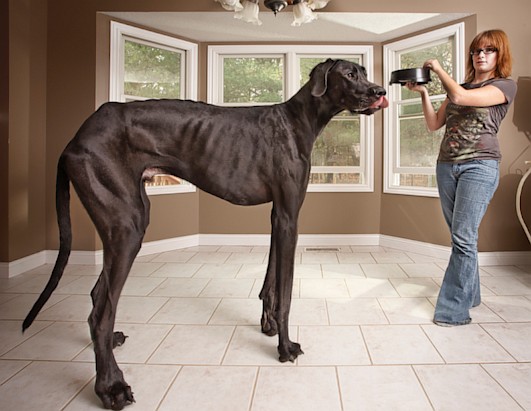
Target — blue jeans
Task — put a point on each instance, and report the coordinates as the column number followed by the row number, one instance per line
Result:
column 465, row 190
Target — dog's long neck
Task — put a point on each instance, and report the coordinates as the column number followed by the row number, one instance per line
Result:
column 311, row 113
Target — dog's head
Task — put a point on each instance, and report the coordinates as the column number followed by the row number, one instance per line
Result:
column 346, row 84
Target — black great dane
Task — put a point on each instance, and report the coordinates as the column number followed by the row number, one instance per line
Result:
column 246, row 155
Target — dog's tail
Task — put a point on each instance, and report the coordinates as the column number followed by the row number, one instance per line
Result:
column 62, row 204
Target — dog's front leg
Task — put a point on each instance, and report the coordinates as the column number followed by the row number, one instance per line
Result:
column 284, row 231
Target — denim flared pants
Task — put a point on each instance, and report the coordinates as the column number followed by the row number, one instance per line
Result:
column 465, row 190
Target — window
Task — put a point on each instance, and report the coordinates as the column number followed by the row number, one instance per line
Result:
column 147, row 65
column 410, row 149
column 342, row 159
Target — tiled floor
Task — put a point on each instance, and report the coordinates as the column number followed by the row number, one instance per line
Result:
column 362, row 315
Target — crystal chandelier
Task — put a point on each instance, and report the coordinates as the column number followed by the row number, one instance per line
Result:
column 247, row 10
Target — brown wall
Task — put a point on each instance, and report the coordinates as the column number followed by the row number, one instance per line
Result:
column 61, row 75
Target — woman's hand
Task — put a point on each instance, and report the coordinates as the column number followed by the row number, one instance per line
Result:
column 410, row 85
column 433, row 65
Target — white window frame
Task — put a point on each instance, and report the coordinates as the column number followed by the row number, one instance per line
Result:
column 119, row 33
column 291, row 55
column 391, row 54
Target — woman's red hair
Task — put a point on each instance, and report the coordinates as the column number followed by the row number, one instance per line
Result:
column 499, row 40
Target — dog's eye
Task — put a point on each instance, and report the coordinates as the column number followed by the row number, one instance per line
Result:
column 351, row 75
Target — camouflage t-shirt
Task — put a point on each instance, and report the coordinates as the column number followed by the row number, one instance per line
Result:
column 471, row 132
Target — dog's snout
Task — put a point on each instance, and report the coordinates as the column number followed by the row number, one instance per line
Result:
column 378, row 91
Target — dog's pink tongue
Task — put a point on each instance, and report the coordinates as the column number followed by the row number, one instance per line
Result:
column 380, row 103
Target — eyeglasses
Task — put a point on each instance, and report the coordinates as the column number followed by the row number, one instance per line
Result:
column 486, row 50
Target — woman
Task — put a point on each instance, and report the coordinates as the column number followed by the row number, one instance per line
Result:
column 467, row 166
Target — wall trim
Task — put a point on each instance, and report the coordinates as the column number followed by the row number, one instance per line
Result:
column 14, row 268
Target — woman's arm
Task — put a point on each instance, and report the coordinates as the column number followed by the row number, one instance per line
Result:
column 478, row 97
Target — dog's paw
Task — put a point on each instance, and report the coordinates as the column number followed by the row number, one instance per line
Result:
column 290, row 354
column 117, row 396
column 269, row 325
column 118, row 339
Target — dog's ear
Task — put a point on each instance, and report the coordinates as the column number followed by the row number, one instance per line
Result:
column 319, row 77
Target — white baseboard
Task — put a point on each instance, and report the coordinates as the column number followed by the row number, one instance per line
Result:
column 8, row 270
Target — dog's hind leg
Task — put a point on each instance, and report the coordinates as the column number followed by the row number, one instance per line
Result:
column 110, row 386
column 121, row 230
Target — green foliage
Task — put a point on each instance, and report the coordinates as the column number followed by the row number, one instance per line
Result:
column 253, row 80
column 151, row 72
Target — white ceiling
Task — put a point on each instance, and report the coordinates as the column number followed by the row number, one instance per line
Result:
column 329, row 27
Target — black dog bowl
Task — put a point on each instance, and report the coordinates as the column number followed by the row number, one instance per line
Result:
column 415, row 75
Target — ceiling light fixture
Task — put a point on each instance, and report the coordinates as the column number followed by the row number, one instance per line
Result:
column 247, row 10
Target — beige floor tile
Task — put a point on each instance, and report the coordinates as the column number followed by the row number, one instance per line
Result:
column 422, row 270
column 466, row 344
column 186, row 311
column 211, row 388
column 209, row 258
column 383, row 270
column 507, row 285
column 45, row 386
column 370, row 287
column 515, row 338
column 308, row 311
column 177, row 256
column 228, row 288
column 247, row 258
column 11, row 335
column 60, row 341
column 319, row 258
column 257, row 271
column 381, row 388
column 342, row 271
column 72, row 308
column 193, row 345
column 218, row 271
column 308, row 271
column 355, row 311
column 310, row 388
column 399, row 344
column 511, row 309
column 144, row 269
column 391, row 257
column 237, row 311
column 415, row 287
column 181, row 270
column 181, row 287
column 463, row 387
column 138, row 309
column 141, row 286
column 8, row 368
column 249, row 346
column 407, row 310
column 515, row 379
column 356, row 257
column 337, row 345
column 327, row 288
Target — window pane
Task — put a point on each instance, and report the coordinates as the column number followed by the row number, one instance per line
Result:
column 253, row 80
column 416, row 58
column 308, row 63
column 418, row 146
column 418, row 180
column 335, row 178
column 151, row 72
column 339, row 143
